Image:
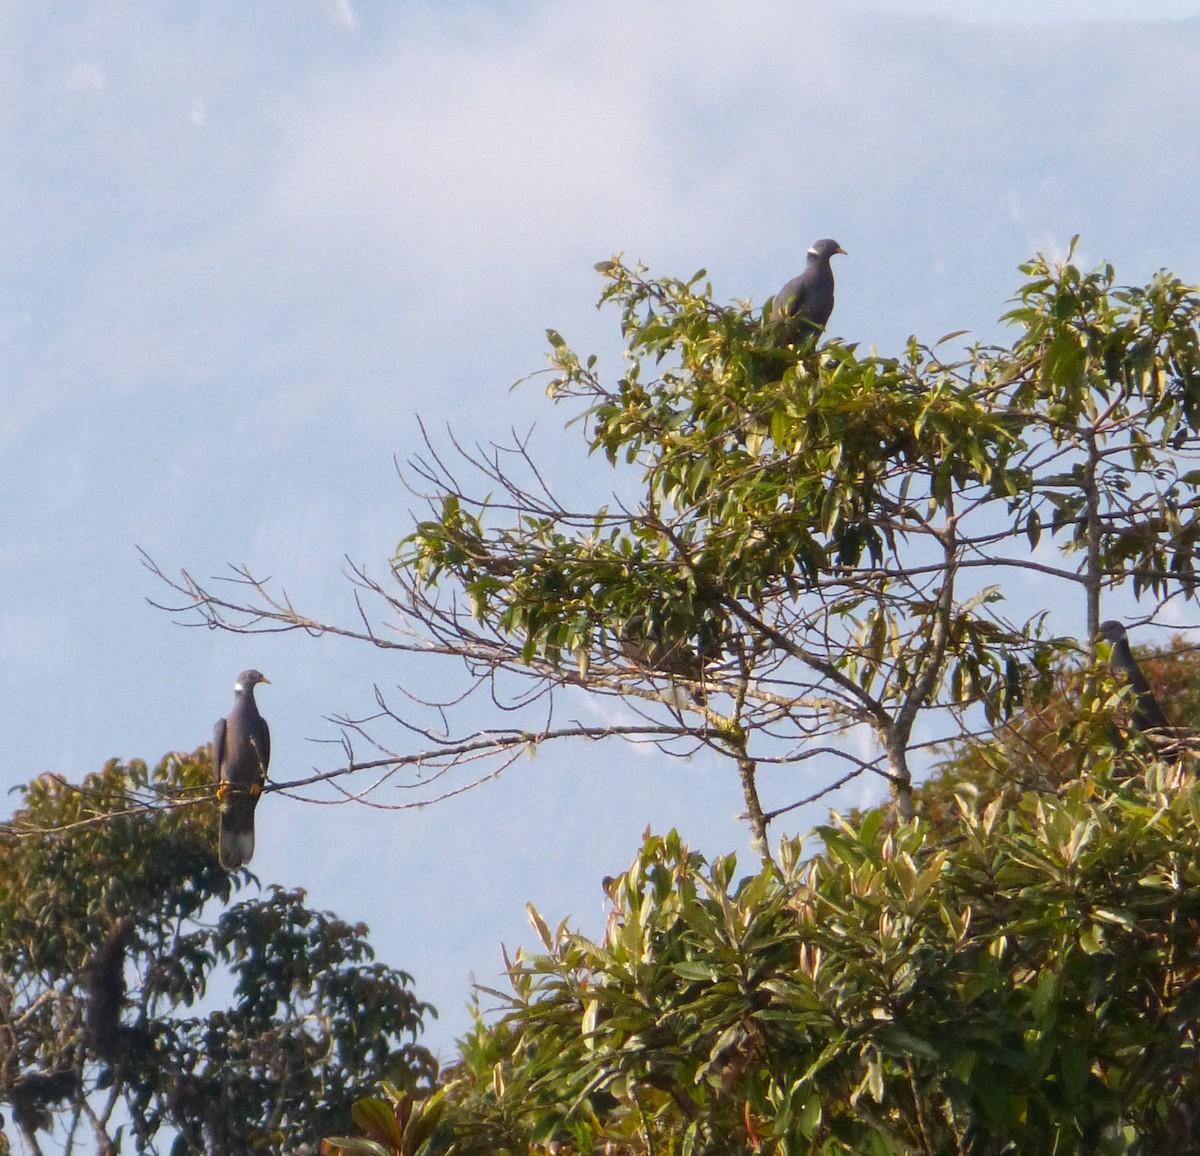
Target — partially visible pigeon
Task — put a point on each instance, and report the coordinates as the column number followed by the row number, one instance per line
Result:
column 649, row 651
column 803, row 305
column 241, row 754
column 1146, row 714
column 645, row 644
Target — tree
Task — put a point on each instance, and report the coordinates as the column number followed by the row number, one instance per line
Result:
column 1028, row 986
column 819, row 549
column 109, row 949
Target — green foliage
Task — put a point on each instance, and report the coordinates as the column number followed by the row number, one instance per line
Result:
column 1015, row 969
column 401, row 1125
column 109, row 953
column 1113, row 375
column 757, row 483
column 1028, row 986
column 75, row 858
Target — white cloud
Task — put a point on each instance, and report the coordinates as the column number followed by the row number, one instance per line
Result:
column 344, row 14
column 462, row 162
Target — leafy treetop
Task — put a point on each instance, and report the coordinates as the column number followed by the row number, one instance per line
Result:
column 811, row 572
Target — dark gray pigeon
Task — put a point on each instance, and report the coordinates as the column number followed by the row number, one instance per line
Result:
column 1146, row 714
column 803, row 305
column 241, row 754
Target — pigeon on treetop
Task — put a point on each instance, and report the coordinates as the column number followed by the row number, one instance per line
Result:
column 802, row 307
column 1146, row 714
column 241, row 754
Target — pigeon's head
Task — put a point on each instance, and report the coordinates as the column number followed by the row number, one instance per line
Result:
column 824, row 249
column 249, row 679
column 1112, row 632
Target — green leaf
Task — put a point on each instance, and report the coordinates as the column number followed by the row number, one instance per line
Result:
column 336, row 1145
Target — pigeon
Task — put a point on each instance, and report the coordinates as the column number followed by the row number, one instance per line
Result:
column 803, row 305
column 645, row 645
column 241, row 753
column 1146, row 714
column 647, row 650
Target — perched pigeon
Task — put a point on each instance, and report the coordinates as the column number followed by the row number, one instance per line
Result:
column 1146, row 715
column 647, row 650
column 241, row 754
column 646, row 646
column 803, row 305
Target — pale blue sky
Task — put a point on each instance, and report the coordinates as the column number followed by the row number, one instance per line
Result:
column 242, row 246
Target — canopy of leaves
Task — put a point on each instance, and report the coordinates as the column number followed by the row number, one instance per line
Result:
column 1029, row 986
column 106, row 960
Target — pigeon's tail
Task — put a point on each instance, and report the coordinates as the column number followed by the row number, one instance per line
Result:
column 237, row 835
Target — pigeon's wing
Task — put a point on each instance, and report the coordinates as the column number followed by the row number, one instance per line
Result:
column 218, row 749
column 263, row 740
column 791, row 299
column 1147, row 713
